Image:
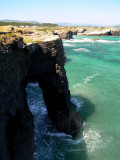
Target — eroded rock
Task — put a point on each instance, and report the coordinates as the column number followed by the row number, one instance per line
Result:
column 42, row 62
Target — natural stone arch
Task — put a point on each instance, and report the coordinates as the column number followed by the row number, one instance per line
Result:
column 43, row 62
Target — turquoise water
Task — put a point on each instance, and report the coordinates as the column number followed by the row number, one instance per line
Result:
column 93, row 71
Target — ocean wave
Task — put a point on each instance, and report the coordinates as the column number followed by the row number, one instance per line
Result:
column 82, row 49
column 91, row 40
column 107, row 41
column 67, row 44
column 80, row 40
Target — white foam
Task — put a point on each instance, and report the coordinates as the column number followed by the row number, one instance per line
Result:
column 77, row 85
column 38, row 109
column 90, row 40
column 33, row 84
column 75, row 142
column 106, row 41
column 82, row 49
column 77, row 102
column 66, row 44
column 87, row 79
column 90, row 77
column 80, row 40
column 59, row 134
column 92, row 139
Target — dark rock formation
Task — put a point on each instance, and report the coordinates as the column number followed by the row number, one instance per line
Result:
column 43, row 62
column 66, row 35
column 16, row 120
column 4, row 33
column 84, row 30
column 75, row 32
column 55, row 33
column 81, row 30
column 116, row 33
column 12, row 29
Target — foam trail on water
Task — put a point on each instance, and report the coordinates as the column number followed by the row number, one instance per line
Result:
column 90, row 77
column 82, row 49
column 86, row 80
column 77, row 85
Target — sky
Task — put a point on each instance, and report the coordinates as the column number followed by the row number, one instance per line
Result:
column 96, row 12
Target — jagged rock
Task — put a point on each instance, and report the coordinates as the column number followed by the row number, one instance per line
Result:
column 82, row 30
column 42, row 62
column 66, row 35
column 75, row 32
column 115, row 33
column 12, row 29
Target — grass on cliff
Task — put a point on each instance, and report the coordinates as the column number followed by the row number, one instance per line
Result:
column 28, row 40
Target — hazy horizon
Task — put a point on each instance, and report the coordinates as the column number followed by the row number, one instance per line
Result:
column 76, row 12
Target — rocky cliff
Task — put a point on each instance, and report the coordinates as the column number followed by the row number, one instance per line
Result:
column 19, row 63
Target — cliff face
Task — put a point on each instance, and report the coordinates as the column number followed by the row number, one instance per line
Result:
column 43, row 62
column 16, row 120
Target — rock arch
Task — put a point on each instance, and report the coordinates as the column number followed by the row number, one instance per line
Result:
column 20, row 63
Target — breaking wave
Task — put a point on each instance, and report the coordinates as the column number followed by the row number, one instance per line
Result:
column 91, row 40
column 67, row 44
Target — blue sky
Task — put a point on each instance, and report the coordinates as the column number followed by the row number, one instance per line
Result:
column 105, row 12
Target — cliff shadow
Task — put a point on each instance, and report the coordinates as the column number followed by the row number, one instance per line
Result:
column 85, row 108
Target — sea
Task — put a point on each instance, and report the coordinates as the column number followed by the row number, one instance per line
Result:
column 93, row 71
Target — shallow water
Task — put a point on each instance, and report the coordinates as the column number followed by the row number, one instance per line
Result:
column 93, row 71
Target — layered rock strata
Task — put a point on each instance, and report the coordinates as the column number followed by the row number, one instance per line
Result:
column 20, row 63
